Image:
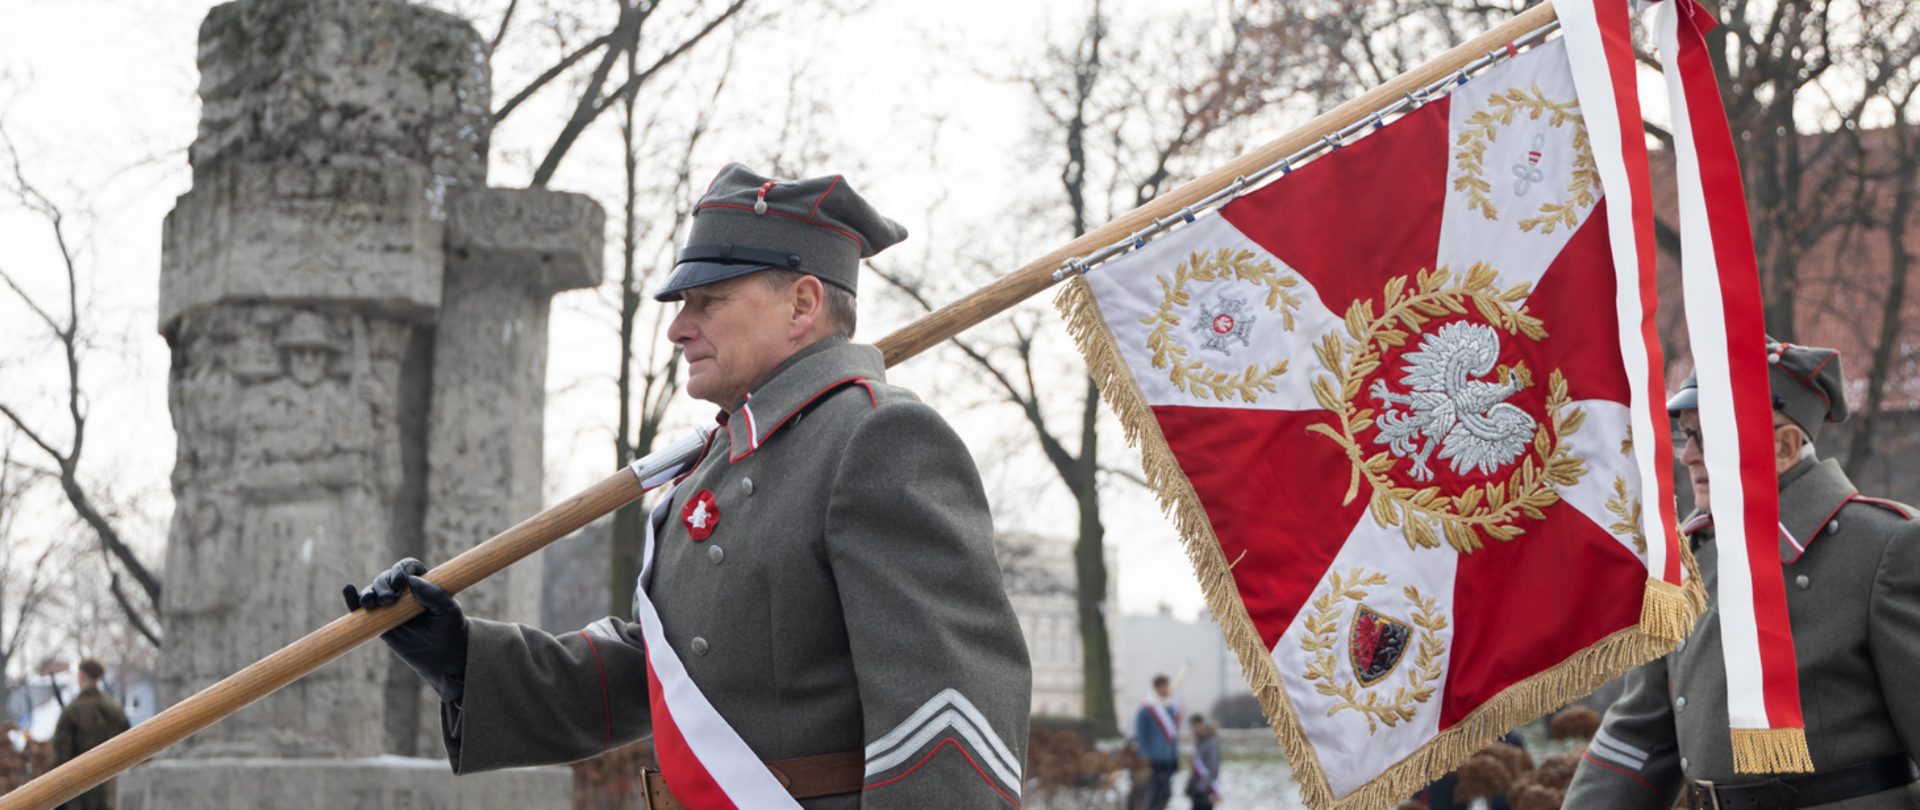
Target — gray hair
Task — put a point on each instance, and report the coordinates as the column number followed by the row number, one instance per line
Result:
column 842, row 309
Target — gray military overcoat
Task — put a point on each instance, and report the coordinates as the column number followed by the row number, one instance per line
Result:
column 1853, row 598
column 847, row 599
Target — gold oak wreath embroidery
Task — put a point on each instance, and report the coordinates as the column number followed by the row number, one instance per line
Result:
column 1322, row 637
column 1195, row 376
column 1628, row 511
column 1481, row 132
column 1491, row 509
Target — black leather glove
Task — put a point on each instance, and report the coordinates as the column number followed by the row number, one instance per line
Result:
column 433, row 643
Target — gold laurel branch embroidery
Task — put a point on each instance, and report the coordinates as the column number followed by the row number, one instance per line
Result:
column 1425, row 515
column 1195, row 376
column 1628, row 511
column 1322, row 640
column 1580, row 191
column 1481, row 130
column 1626, row 444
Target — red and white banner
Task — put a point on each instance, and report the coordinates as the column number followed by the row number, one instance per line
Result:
column 1405, row 404
column 1728, row 330
column 702, row 758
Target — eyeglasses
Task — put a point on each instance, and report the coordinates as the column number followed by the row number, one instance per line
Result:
column 1681, row 435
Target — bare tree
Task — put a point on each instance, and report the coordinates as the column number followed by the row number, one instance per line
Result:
column 1124, row 121
column 69, row 331
column 635, row 38
column 26, row 575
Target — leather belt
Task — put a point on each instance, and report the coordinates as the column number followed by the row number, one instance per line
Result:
column 804, row 777
column 1787, row 793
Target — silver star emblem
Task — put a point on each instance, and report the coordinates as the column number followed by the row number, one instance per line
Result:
column 1217, row 327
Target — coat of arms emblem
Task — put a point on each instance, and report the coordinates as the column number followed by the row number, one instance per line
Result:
column 1375, row 645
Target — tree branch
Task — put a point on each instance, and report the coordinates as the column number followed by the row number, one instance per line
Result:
column 133, row 616
column 552, row 73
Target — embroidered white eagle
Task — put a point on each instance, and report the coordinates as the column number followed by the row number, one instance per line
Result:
column 1468, row 419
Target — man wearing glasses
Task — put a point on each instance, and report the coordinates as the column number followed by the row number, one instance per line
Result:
column 1852, row 571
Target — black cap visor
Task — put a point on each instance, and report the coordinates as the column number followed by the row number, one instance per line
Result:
column 701, row 265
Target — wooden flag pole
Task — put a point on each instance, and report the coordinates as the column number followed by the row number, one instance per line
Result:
column 344, row 634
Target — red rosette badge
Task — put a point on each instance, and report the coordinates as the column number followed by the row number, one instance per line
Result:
column 701, row 515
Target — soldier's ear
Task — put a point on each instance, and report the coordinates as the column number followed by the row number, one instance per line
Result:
column 808, row 296
column 1787, row 440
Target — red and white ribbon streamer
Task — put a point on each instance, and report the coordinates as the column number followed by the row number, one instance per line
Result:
column 1600, row 50
column 1725, row 320
column 702, row 758
column 1728, row 330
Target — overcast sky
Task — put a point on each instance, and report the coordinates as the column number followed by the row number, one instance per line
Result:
column 99, row 98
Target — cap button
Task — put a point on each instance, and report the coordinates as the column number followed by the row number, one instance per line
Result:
column 760, row 201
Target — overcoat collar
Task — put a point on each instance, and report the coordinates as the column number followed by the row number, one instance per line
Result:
column 820, row 367
column 1811, row 493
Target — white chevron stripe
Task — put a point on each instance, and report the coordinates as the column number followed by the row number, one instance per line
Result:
column 1616, row 752
column 964, row 717
column 1614, row 742
column 958, row 722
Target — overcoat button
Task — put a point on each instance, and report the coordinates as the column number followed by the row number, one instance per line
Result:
column 746, row 485
column 1833, row 527
column 715, row 554
column 1679, row 703
column 1802, row 581
column 1681, row 647
column 699, row 646
column 1683, row 763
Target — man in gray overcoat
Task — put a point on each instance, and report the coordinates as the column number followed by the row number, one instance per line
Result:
column 820, row 621
column 1852, row 571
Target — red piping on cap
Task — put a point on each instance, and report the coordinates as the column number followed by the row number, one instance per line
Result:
column 856, row 239
column 823, row 197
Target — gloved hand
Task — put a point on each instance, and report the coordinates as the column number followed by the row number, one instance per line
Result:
column 433, row 643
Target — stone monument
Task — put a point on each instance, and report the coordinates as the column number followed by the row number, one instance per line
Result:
column 359, row 336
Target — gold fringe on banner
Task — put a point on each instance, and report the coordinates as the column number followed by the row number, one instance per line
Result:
column 1670, row 611
column 1771, row 750
column 1666, row 612
column 1571, row 679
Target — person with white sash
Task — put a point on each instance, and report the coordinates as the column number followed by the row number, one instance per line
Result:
column 820, row 621
column 1156, row 730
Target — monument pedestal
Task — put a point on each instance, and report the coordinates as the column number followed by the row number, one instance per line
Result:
column 358, row 327
column 374, row 783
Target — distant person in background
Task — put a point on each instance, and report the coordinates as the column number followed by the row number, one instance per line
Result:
column 91, row 719
column 1157, row 728
column 1203, row 785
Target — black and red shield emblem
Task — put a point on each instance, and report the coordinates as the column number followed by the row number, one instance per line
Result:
column 1375, row 645
column 700, row 515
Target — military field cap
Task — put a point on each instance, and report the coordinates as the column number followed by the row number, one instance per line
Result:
column 746, row 223
column 1806, row 383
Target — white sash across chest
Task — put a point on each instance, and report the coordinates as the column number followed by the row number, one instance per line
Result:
column 705, row 762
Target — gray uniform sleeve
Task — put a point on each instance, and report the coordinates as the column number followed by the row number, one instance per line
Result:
column 945, row 686
column 1893, row 628
column 1634, row 761
column 538, row 699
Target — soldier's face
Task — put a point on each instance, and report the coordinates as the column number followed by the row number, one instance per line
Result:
column 307, row 366
column 734, row 332
column 1696, row 460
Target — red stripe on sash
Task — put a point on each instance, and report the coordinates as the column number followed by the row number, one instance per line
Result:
column 691, row 784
